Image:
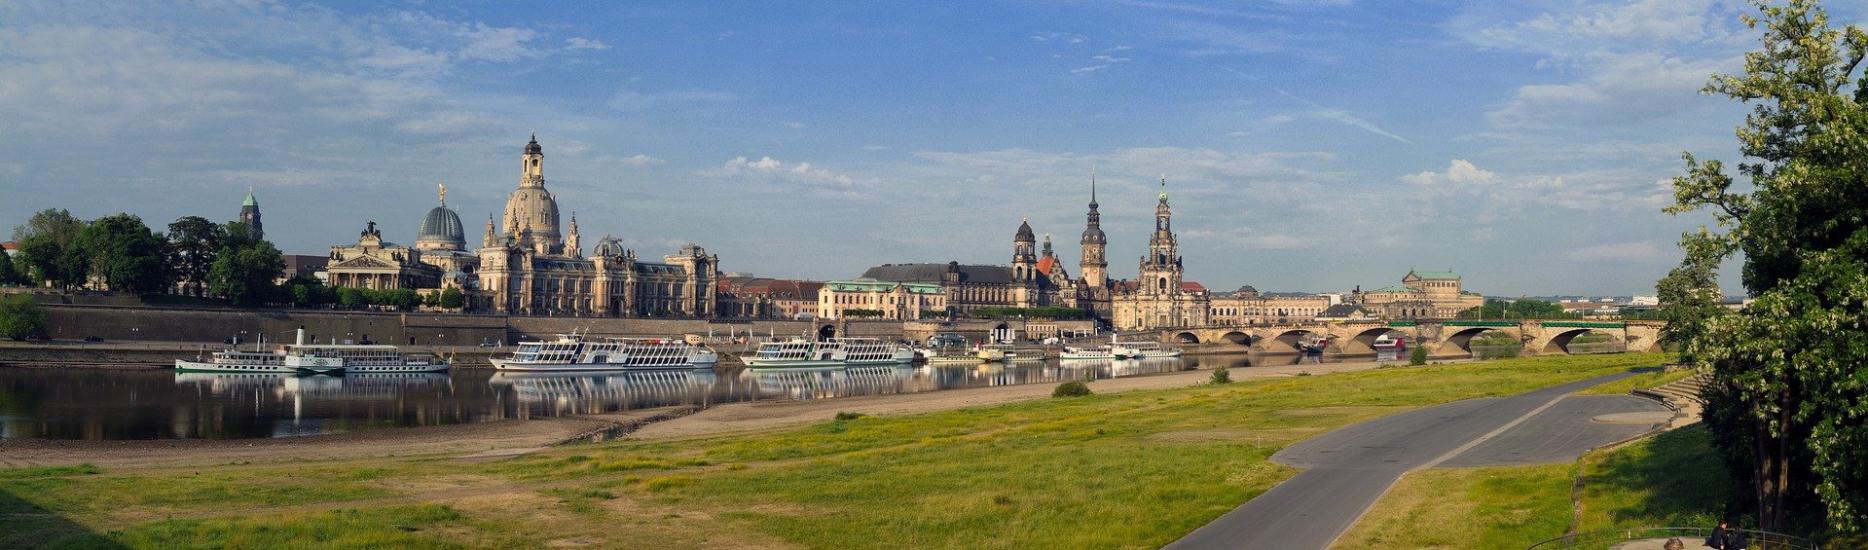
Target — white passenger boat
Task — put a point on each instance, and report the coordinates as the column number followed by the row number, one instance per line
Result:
column 1087, row 353
column 949, row 354
column 572, row 352
column 994, row 354
column 1141, row 350
column 834, row 352
column 302, row 358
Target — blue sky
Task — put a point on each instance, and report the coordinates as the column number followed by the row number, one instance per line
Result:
column 1307, row 145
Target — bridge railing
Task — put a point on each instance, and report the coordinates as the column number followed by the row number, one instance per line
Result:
column 1693, row 536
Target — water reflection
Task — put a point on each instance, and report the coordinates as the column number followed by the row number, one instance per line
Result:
column 81, row 403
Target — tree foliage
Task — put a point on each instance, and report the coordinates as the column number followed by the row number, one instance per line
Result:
column 1788, row 402
column 1026, row 312
column 126, row 254
column 8, row 273
column 1523, row 308
column 47, row 247
column 452, row 298
column 194, row 243
column 21, row 317
column 245, row 268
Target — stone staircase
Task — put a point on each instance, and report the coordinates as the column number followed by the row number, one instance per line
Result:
column 1680, row 395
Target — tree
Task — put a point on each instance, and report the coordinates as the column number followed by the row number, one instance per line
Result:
column 194, row 243
column 352, row 298
column 453, row 298
column 1784, row 402
column 126, row 254
column 46, row 246
column 21, row 317
column 8, row 273
column 245, row 274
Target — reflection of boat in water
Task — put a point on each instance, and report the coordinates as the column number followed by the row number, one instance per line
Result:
column 355, row 386
column 822, row 382
column 305, row 358
column 1313, row 346
column 833, row 352
column 600, row 390
column 572, row 352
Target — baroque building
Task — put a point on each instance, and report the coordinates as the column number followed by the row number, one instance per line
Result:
column 377, row 264
column 1422, row 295
column 881, row 300
column 442, row 241
column 1247, row 306
column 531, row 268
column 1159, row 296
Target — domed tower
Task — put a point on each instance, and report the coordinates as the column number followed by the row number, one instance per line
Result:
column 1024, row 252
column 1161, row 268
column 441, row 228
column 1093, row 264
column 249, row 215
column 534, row 207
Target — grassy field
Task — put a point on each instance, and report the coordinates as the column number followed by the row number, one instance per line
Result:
column 1132, row 469
column 1671, row 479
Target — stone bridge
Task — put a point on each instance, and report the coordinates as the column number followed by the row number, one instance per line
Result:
column 1442, row 338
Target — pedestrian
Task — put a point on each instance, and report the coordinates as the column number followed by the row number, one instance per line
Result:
column 1721, row 537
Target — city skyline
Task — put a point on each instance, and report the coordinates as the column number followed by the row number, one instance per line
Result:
column 811, row 144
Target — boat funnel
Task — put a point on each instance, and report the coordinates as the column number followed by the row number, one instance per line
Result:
column 301, row 336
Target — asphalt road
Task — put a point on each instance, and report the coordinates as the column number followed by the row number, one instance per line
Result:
column 1347, row 470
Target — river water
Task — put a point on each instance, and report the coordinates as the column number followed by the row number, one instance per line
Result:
column 98, row 404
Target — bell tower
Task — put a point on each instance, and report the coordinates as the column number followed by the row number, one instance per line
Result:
column 532, row 174
column 1093, row 264
column 1161, row 268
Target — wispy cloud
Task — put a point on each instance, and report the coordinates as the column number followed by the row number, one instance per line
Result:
column 642, row 160
column 581, row 43
column 1616, row 252
column 632, row 100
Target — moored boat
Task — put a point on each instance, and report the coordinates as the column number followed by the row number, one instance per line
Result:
column 573, row 352
column 302, row 358
column 833, row 352
column 1141, row 350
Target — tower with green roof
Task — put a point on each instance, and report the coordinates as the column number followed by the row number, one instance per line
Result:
column 249, row 215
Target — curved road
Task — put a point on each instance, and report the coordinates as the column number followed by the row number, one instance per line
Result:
column 1347, row 470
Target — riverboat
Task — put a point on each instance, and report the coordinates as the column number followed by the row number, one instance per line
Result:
column 834, row 352
column 302, row 358
column 994, row 354
column 948, row 354
column 1087, row 353
column 1141, row 350
column 572, row 352
column 1387, row 343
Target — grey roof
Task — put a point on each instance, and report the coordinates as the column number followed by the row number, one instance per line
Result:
column 931, row 273
column 442, row 224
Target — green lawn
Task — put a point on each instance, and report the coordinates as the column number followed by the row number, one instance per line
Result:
column 1130, row 469
column 1670, row 479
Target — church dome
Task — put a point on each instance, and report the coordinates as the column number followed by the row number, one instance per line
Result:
column 535, row 209
column 441, row 229
column 607, row 247
column 1024, row 233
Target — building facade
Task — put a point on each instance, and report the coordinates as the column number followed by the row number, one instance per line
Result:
column 1093, row 289
column 1248, row 307
column 881, row 300
column 442, row 240
column 1421, row 295
column 249, row 216
column 746, row 297
column 377, row 264
column 1159, row 296
column 534, row 269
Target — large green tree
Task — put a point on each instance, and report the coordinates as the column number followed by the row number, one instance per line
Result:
column 21, row 317
column 245, row 268
column 194, row 243
column 8, row 273
column 46, row 248
column 129, row 256
column 1788, row 402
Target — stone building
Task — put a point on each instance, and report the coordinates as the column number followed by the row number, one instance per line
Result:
column 1247, row 306
column 762, row 298
column 442, row 241
column 531, row 268
column 1093, row 288
column 249, row 216
column 895, row 301
column 1421, row 295
column 374, row 263
column 967, row 287
column 1159, row 296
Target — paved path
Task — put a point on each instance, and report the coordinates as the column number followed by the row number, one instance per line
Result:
column 1349, row 469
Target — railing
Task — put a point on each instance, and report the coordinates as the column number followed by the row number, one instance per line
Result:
column 1693, row 536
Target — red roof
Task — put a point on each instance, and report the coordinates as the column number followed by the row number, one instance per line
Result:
column 1191, row 286
column 780, row 288
column 1046, row 263
column 10, row 245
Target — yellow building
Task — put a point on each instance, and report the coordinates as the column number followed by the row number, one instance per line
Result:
column 1159, row 297
column 1422, row 295
column 898, row 301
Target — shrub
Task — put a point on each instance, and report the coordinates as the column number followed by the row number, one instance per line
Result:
column 1222, row 376
column 21, row 317
column 1418, row 356
column 847, row 415
column 1073, row 388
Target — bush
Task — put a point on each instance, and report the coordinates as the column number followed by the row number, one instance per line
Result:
column 21, row 317
column 1073, row 388
column 1418, row 356
column 1222, row 376
column 847, row 415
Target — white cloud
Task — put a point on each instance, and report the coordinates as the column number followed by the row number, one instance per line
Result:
column 581, row 43
column 1110, row 59
column 1088, row 70
column 642, row 160
column 1616, row 252
column 1460, row 172
column 768, row 166
column 486, row 43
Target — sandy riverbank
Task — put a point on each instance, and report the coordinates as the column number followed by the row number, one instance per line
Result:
column 513, row 437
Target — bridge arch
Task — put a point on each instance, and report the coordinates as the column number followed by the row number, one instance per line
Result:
column 1362, row 341
column 1286, row 341
column 826, row 332
column 1187, row 337
column 1461, row 341
column 1237, row 337
column 1560, row 342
